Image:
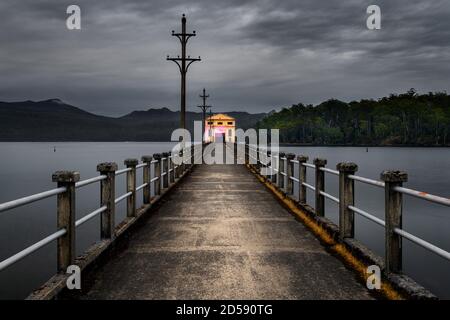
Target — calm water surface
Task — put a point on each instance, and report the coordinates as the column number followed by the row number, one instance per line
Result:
column 26, row 168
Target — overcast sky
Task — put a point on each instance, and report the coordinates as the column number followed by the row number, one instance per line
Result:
column 257, row 55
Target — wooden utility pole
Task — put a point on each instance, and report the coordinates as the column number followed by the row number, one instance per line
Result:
column 183, row 63
column 210, row 124
column 204, row 107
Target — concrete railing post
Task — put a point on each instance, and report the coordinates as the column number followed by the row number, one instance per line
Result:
column 192, row 156
column 302, row 178
column 269, row 165
column 262, row 157
column 157, row 170
column 177, row 170
column 171, row 169
column 393, row 219
column 182, row 165
column 146, row 178
column 189, row 158
column 274, row 164
column 66, row 217
column 320, row 186
column 247, row 154
column 107, row 197
column 346, row 198
column 290, row 173
column 280, row 177
column 131, row 186
column 185, row 159
column 258, row 159
column 186, row 155
column 165, row 169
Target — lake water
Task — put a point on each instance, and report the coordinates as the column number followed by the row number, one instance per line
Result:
column 26, row 168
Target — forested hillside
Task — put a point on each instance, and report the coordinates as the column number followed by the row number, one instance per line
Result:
column 404, row 119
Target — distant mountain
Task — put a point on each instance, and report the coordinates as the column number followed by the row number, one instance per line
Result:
column 54, row 120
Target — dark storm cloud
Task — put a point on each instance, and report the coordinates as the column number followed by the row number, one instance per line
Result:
column 258, row 55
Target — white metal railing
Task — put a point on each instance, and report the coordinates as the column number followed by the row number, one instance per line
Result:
column 86, row 182
column 122, row 197
column 329, row 196
column 367, row 215
column 141, row 165
column 372, row 182
column 142, row 186
column 335, row 172
column 90, row 216
column 424, row 196
column 30, row 199
column 29, row 250
column 80, row 184
column 400, row 189
column 307, row 185
column 424, row 244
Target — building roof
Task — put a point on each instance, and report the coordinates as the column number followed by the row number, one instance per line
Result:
column 220, row 116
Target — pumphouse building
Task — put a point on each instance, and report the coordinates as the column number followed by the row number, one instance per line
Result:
column 220, row 128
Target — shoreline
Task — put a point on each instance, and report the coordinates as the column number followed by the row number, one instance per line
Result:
column 364, row 145
column 284, row 144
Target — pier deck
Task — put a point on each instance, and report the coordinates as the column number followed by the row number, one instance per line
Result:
column 220, row 234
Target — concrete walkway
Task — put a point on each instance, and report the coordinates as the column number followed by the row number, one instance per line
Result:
column 221, row 235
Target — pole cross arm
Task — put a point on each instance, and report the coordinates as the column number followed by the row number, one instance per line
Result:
column 185, row 36
column 176, row 61
column 191, row 61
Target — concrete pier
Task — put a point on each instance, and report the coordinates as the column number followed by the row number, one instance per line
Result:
column 220, row 234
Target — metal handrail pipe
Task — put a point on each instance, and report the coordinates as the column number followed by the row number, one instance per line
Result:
column 424, row 244
column 86, row 182
column 367, row 215
column 335, row 172
column 142, row 186
column 424, row 195
column 122, row 171
column 30, row 199
column 376, row 183
column 90, row 216
column 29, row 250
column 329, row 196
column 309, row 186
column 122, row 197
